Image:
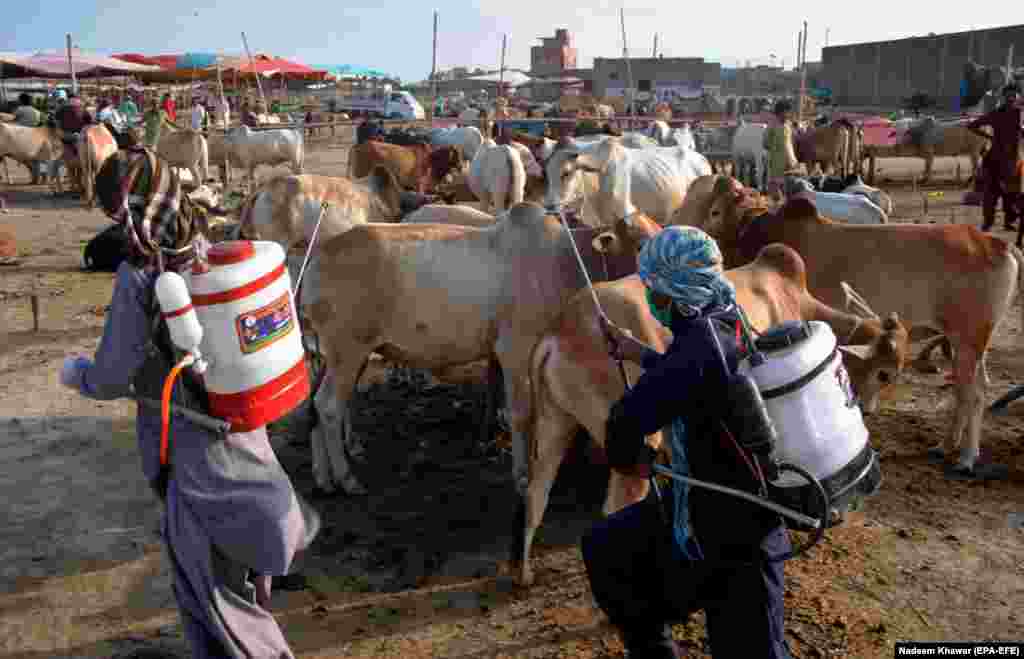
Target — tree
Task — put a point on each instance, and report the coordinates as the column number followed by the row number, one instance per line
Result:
column 917, row 102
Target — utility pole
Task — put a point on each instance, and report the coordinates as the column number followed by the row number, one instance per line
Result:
column 629, row 68
column 827, row 30
column 803, row 77
column 433, row 69
column 654, row 53
column 501, row 74
column 252, row 63
column 71, row 68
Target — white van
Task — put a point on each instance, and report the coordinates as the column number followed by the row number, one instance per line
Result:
column 403, row 105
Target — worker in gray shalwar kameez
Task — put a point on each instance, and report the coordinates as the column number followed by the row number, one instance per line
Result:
column 231, row 516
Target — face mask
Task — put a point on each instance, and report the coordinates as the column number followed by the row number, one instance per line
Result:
column 662, row 314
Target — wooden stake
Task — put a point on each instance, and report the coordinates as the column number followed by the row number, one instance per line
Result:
column 501, row 73
column 71, row 67
column 252, row 63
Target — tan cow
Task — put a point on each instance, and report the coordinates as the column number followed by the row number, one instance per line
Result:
column 575, row 383
column 438, row 296
column 829, row 147
column 449, row 214
column 186, row 149
column 955, row 141
column 95, row 145
column 951, row 278
column 32, row 147
column 418, row 167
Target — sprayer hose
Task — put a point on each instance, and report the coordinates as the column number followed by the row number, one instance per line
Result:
column 165, row 406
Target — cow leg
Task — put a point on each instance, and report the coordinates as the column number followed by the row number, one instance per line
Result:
column 929, row 161
column 970, row 408
column 491, row 401
column 333, row 434
column 553, row 433
column 624, row 491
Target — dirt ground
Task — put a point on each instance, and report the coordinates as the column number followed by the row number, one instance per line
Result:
column 410, row 569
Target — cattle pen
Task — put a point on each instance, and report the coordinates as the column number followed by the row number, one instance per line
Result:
column 416, row 568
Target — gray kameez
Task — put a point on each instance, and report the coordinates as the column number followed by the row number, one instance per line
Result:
column 230, row 511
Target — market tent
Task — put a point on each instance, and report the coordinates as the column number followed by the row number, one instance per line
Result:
column 54, row 64
column 268, row 66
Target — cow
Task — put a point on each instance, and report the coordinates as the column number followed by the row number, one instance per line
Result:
column 95, row 145
column 34, row 147
column 220, row 156
column 749, row 154
column 953, row 140
column 186, row 149
column 828, row 147
column 853, row 184
column 277, row 146
column 574, row 381
column 839, row 206
column 499, row 174
column 664, row 135
column 438, row 296
column 449, row 214
column 467, row 138
column 953, row 279
column 661, row 177
column 286, row 209
column 418, row 167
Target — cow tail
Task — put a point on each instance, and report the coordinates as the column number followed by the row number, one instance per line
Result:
column 1019, row 258
column 302, row 150
column 517, row 177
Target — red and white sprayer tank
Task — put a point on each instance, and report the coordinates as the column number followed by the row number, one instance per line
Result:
column 237, row 313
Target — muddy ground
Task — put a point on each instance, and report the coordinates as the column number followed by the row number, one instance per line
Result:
column 409, row 570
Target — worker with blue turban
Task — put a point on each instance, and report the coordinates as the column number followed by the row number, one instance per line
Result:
column 713, row 553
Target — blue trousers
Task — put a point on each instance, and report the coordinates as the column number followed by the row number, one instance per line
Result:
column 643, row 583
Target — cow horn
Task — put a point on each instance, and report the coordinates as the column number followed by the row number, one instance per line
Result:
column 856, row 303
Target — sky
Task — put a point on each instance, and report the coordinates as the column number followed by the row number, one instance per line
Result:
column 397, row 36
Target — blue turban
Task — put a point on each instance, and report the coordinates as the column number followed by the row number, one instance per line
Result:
column 685, row 264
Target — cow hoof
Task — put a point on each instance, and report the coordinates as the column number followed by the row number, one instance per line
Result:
column 937, row 454
column 526, row 578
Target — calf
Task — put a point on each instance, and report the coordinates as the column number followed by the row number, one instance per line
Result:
column 574, row 381
column 951, row 278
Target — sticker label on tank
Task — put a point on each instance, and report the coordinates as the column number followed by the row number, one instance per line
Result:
column 846, row 386
column 259, row 328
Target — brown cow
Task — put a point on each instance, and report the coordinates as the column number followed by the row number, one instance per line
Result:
column 95, row 145
column 418, row 167
column 575, row 383
column 953, row 279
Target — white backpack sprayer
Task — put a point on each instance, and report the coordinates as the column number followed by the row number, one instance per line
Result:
column 236, row 322
column 790, row 404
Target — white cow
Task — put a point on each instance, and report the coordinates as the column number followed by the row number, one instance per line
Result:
column 665, row 135
column 661, row 176
column 876, row 195
column 467, row 138
column 449, row 214
column 840, row 206
column 497, row 176
column 38, row 148
column 250, row 148
column 748, row 151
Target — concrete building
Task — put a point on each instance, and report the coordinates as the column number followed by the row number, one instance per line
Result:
column 883, row 73
column 554, row 56
column 663, row 77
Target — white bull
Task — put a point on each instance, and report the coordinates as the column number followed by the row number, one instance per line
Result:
column 277, row 146
column 748, row 152
column 665, row 135
column 498, row 175
column 660, row 178
column 467, row 138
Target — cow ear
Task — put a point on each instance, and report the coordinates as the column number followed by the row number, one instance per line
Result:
column 604, row 242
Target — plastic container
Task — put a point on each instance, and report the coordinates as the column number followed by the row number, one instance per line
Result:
column 252, row 338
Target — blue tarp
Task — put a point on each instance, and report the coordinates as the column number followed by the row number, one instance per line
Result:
column 347, row 70
column 531, row 127
column 196, row 61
